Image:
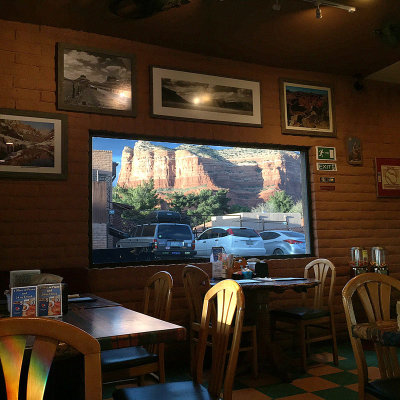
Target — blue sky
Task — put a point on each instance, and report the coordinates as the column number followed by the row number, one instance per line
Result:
column 117, row 145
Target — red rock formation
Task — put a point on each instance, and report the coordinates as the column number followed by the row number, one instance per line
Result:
column 250, row 175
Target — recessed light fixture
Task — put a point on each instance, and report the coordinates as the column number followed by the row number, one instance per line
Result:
column 276, row 5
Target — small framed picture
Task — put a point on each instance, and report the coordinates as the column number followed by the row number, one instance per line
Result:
column 208, row 98
column 388, row 177
column 354, row 150
column 307, row 108
column 95, row 81
column 33, row 145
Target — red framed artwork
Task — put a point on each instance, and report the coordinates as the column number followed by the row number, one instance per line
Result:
column 388, row 177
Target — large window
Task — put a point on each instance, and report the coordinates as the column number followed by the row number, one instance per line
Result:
column 158, row 201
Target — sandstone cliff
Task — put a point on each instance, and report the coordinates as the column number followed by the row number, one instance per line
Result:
column 250, row 175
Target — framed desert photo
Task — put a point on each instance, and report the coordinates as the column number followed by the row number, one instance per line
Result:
column 209, row 98
column 96, row 81
column 388, row 177
column 33, row 145
column 307, row 108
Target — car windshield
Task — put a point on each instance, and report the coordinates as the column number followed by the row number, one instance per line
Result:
column 295, row 235
column 243, row 232
column 181, row 232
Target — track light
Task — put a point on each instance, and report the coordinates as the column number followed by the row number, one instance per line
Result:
column 317, row 4
column 318, row 12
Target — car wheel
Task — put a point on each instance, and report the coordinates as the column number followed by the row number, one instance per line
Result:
column 278, row 252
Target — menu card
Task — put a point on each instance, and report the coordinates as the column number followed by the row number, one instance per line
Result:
column 23, row 301
column 49, row 300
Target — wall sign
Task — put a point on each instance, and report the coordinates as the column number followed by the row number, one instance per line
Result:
column 388, row 177
column 327, row 179
column 325, row 153
column 326, row 167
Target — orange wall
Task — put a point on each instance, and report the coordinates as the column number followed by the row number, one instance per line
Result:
column 44, row 224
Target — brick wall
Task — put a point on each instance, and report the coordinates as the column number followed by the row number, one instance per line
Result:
column 44, row 224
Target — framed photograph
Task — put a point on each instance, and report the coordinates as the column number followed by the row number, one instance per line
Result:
column 354, row 150
column 307, row 108
column 33, row 145
column 388, row 177
column 209, row 98
column 95, row 81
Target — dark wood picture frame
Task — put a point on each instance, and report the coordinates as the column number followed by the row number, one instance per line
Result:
column 177, row 94
column 307, row 108
column 95, row 81
column 33, row 145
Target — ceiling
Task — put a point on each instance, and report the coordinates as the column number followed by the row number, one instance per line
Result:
column 244, row 30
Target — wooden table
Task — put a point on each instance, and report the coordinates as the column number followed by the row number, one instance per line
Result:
column 257, row 293
column 117, row 326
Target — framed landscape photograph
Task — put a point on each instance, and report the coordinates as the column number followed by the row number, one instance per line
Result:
column 192, row 96
column 33, row 145
column 388, row 177
column 95, row 81
column 307, row 108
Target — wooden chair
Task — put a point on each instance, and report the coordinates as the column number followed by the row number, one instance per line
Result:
column 137, row 361
column 221, row 303
column 374, row 291
column 196, row 283
column 319, row 317
column 48, row 333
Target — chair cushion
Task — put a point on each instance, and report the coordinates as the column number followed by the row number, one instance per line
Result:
column 299, row 313
column 384, row 389
column 125, row 358
column 165, row 391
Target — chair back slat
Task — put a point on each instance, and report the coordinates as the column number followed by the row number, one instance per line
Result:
column 47, row 334
column 221, row 303
column 41, row 359
column 196, row 283
column 11, row 354
column 374, row 291
column 323, row 270
column 157, row 300
column 158, row 295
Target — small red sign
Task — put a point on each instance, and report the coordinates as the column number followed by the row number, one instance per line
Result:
column 329, row 188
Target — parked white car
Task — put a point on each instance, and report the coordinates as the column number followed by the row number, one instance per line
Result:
column 241, row 242
column 284, row 242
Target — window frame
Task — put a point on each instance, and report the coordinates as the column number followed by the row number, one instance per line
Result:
column 305, row 191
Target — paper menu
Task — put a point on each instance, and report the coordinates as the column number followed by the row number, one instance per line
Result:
column 49, row 300
column 23, row 301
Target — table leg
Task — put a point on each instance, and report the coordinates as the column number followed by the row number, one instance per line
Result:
column 269, row 351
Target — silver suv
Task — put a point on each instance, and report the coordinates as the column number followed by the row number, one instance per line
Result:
column 163, row 240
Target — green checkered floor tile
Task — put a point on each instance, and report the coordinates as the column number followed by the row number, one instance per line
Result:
column 323, row 379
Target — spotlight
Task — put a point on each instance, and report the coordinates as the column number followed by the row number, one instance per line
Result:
column 318, row 13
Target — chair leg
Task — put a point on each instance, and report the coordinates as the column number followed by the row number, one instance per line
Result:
column 161, row 367
column 272, row 327
column 334, row 343
column 141, row 380
column 303, row 349
column 254, row 356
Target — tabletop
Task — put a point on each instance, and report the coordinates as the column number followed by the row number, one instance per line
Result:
column 385, row 333
column 118, row 326
column 276, row 284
